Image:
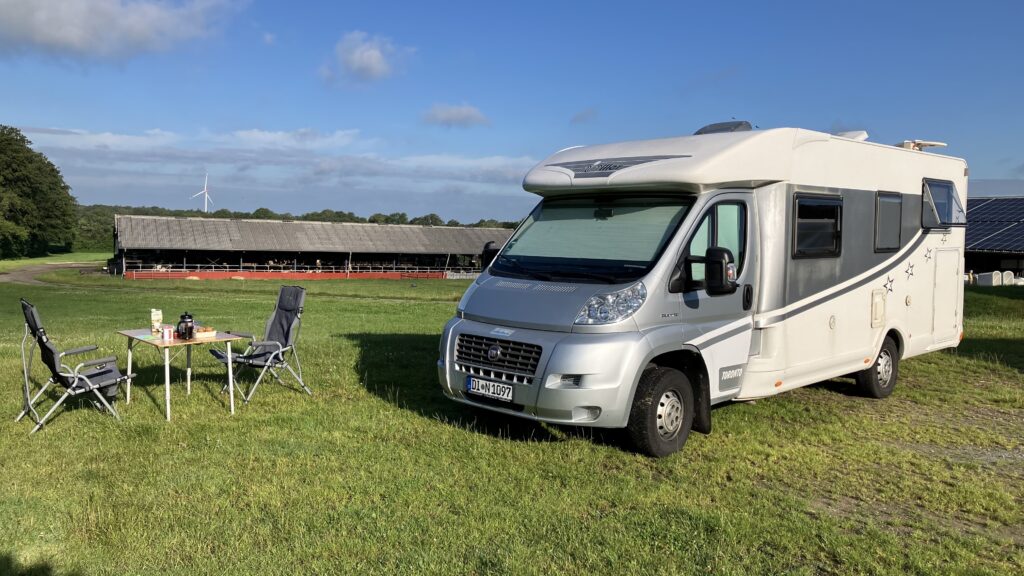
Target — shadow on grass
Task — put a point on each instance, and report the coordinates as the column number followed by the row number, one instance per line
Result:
column 1007, row 351
column 400, row 368
column 844, row 386
column 9, row 566
column 1009, row 292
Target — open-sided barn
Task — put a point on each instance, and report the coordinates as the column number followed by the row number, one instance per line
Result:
column 995, row 234
column 177, row 247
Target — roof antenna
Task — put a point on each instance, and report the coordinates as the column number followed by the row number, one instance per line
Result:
column 920, row 145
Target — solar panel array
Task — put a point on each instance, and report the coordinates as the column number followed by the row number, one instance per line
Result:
column 206, row 234
column 995, row 225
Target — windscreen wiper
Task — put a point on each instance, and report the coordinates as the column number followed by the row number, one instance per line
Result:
column 607, row 278
column 524, row 270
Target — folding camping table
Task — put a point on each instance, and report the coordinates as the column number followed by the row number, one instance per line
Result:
column 145, row 336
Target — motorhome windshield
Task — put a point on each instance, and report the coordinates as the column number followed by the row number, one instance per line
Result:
column 597, row 239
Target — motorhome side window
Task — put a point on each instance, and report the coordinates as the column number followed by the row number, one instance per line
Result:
column 940, row 205
column 724, row 226
column 818, row 229
column 888, row 221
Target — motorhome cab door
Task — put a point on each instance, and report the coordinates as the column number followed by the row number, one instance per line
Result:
column 724, row 320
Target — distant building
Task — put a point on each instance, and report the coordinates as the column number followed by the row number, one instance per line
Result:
column 178, row 247
column 995, row 235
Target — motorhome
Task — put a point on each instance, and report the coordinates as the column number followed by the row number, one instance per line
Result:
column 658, row 278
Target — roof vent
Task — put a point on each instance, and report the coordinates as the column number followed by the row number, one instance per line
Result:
column 858, row 135
column 920, row 144
column 720, row 127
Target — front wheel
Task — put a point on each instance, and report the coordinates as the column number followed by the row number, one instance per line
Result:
column 879, row 380
column 662, row 412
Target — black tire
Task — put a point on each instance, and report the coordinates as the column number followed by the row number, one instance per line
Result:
column 879, row 380
column 662, row 412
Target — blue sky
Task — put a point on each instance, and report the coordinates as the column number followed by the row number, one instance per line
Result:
column 442, row 107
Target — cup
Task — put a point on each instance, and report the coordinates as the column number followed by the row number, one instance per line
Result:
column 168, row 333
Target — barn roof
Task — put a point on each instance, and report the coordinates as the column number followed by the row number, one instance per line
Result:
column 995, row 225
column 223, row 235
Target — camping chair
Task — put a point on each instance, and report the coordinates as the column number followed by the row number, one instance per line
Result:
column 99, row 377
column 279, row 339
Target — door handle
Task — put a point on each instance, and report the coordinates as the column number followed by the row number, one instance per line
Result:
column 748, row 296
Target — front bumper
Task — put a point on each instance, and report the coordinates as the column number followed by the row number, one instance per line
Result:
column 608, row 366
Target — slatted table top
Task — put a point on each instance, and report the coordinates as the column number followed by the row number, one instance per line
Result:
column 146, row 336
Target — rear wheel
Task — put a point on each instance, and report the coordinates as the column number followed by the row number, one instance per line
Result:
column 662, row 412
column 879, row 380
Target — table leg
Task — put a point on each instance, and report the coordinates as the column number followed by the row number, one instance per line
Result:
column 167, row 381
column 231, row 379
column 128, row 385
column 188, row 370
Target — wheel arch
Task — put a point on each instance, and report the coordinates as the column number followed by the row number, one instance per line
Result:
column 897, row 336
column 690, row 362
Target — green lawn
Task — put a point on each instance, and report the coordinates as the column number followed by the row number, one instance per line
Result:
column 73, row 257
column 378, row 473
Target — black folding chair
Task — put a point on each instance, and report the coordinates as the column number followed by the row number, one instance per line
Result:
column 280, row 336
column 99, row 377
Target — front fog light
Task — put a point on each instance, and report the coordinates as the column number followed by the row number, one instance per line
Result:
column 614, row 306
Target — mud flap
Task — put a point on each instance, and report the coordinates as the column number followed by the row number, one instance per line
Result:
column 702, row 407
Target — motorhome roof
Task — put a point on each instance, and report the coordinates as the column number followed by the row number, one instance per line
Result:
column 690, row 163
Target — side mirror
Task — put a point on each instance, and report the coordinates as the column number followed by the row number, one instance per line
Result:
column 488, row 255
column 719, row 271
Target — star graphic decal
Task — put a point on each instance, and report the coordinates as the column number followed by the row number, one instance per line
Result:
column 910, row 270
column 928, row 254
column 889, row 284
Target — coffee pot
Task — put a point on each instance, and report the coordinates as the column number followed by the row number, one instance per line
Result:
column 186, row 327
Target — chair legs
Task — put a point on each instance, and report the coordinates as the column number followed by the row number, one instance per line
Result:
column 32, row 403
column 106, row 404
column 52, row 410
column 257, row 383
column 269, row 368
column 298, row 378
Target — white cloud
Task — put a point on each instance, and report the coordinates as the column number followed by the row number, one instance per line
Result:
column 103, row 28
column 269, row 38
column 289, row 170
column 364, row 58
column 307, row 138
column 65, row 138
column 458, row 116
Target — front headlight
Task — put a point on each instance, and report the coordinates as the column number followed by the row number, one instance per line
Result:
column 614, row 306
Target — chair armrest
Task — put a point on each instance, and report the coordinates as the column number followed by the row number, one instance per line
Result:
column 268, row 343
column 81, row 350
column 242, row 334
column 97, row 362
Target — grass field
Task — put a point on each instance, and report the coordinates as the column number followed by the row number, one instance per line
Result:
column 378, row 473
column 71, row 258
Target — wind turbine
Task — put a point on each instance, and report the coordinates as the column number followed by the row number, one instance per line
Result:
column 205, row 193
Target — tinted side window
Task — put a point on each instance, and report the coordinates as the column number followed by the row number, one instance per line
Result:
column 940, row 205
column 724, row 225
column 731, row 225
column 698, row 246
column 817, row 229
column 888, row 221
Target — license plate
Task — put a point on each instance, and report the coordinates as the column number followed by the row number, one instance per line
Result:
column 489, row 389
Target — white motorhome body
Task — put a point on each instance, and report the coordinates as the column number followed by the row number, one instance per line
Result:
column 842, row 257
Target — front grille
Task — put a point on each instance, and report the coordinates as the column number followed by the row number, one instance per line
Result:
column 517, row 362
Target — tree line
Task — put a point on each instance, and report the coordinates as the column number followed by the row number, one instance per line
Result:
column 38, row 214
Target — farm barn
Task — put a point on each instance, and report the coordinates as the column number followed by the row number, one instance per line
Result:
column 995, row 234
column 151, row 247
